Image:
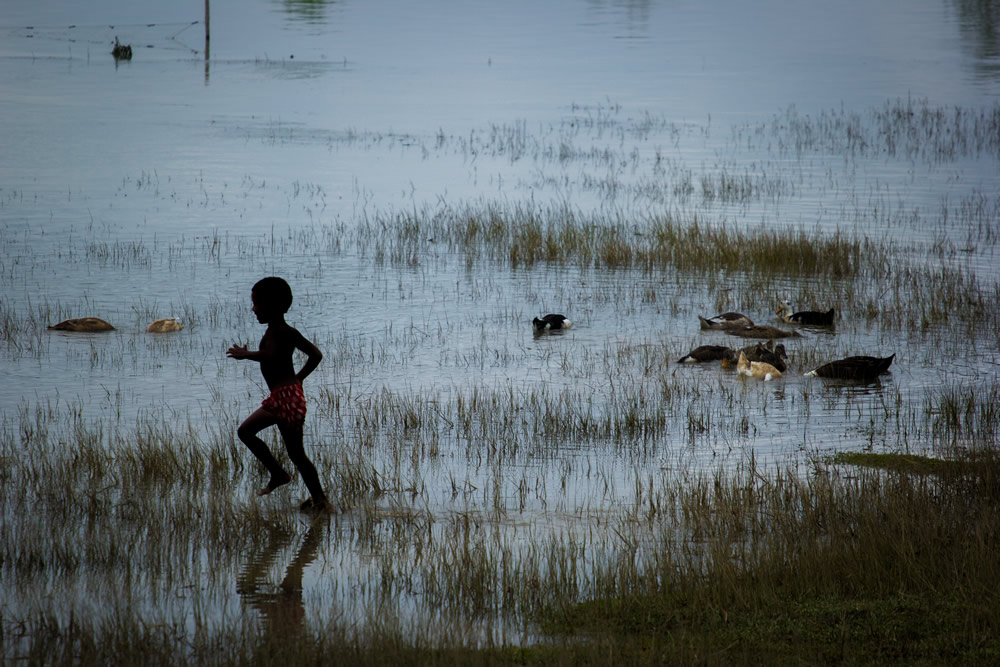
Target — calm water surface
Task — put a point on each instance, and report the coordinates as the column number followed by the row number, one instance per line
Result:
column 167, row 185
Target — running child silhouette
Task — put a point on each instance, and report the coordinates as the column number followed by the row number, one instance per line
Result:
column 286, row 405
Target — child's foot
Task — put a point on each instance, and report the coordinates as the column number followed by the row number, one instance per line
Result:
column 280, row 480
column 312, row 505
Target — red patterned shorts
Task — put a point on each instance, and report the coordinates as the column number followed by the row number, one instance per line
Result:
column 288, row 404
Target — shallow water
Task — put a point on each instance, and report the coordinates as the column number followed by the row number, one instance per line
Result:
column 167, row 185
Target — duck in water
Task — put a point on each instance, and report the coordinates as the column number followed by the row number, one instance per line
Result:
column 551, row 322
column 786, row 313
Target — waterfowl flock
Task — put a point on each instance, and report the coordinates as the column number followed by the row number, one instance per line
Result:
column 759, row 360
column 770, row 353
column 768, row 361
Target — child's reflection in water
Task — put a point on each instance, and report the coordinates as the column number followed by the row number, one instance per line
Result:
column 281, row 607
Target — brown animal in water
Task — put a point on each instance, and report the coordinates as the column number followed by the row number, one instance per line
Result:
column 725, row 321
column 762, row 331
column 83, row 324
column 164, row 325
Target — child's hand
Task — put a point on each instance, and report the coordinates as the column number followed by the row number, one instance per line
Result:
column 238, row 352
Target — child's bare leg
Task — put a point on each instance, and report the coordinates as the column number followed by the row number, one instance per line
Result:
column 282, row 479
column 297, row 454
column 247, row 432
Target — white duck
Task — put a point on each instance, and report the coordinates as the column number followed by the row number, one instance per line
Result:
column 756, row 369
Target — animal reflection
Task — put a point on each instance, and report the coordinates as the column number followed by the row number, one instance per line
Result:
column 280, row 606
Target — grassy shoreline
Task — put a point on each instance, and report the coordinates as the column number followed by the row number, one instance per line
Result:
column 885, row 558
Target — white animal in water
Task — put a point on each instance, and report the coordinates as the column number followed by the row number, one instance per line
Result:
column 756, row 369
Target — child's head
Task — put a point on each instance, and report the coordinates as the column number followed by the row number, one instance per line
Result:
column 274, row 294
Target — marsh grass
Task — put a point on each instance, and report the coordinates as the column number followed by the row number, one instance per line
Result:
column 904, row 463
column 843, row 563
column 574, row 499
column 726, row 566
column 524, row 236
column 966, row 416
column 857, row 567
column 858, row 276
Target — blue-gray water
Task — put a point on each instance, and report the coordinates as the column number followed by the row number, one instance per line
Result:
column 168, row 184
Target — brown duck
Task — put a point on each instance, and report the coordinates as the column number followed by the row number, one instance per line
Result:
column 725, row 321
column 82, row 324
column 762, row 331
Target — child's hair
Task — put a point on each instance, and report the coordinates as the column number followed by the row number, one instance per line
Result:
column 275, row 292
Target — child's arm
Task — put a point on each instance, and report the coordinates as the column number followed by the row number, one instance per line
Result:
column 241, row 352
column 314, row 356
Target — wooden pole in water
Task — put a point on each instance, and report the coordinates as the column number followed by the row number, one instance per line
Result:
column 208, row 38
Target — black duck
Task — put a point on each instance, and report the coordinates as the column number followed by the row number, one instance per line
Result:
column 551, row 322
column 704, row 353
column 808, row 317
column 854, row 368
